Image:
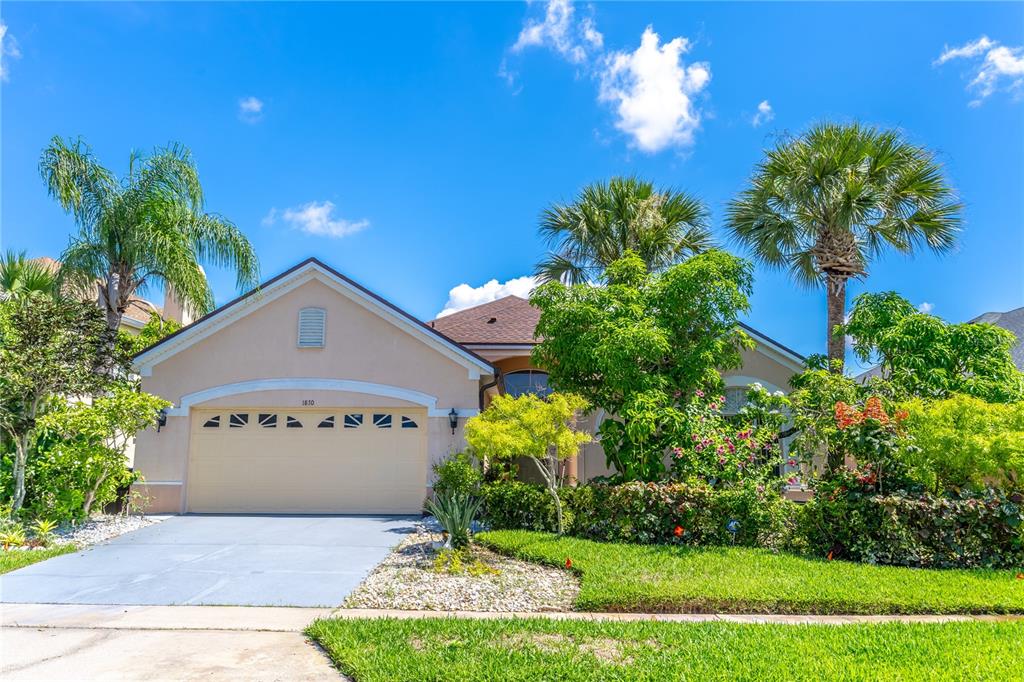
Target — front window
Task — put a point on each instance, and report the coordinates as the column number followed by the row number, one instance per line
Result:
column 527, row 381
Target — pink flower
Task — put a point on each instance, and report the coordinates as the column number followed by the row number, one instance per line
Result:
column 791, row 462
column 694, row 437
column 700, row 393
column 720, row 450
column 721, row 460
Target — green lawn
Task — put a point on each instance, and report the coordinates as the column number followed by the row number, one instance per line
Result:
column 14, row 559
column 539, row 649
column 645, row 578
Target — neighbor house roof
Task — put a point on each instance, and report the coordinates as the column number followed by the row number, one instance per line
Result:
column 138, row 311
column 512, row 321
column 506, row 321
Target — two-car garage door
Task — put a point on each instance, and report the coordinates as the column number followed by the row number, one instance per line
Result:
column 281, row 460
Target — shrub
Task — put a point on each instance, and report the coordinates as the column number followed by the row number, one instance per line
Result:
column 509, row 505
column 963, row 441
column 694, row 514
column 846, row 520
column 457, row 475
column 455, row 513
column 647, row 512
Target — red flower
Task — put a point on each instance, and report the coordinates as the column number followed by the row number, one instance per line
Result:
column 678, row 532
column 1020, row 576
column 830, row 555
column 568, row 562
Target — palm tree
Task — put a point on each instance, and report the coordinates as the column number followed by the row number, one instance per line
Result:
column 824, row 204
column 607, row 219
column 21, row 276
column 147, row 228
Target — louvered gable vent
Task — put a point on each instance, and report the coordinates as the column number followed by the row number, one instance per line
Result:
column 311, row 327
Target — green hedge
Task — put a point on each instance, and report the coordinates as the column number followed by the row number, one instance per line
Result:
column 969, row 530
column 966, row 531
column 646, row 513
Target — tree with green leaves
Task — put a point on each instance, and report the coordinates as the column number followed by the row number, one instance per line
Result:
column 824, row 204
column 923, row 356
column 49, row 349
column 86, row 459
column 663, row 227
column 541, row 429
column 20, row 276
column 147, row 228
column 640, row 345
column 155, row 329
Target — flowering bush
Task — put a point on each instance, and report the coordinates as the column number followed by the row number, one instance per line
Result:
column 877, row 443
column 720, row 451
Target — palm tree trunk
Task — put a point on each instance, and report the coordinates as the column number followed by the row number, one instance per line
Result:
column 835, row 292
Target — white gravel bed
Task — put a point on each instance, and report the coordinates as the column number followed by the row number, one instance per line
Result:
column 406, row 580
column 103, row 527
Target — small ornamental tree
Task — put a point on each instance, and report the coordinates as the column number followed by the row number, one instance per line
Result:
column 49, row 349
column 923, row 356
column 540, row 429
column 640, row 345
column 87, row 443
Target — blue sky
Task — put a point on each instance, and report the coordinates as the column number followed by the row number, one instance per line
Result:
column 412, row 146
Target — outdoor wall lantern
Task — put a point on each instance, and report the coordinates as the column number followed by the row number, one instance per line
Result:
column 161, row 419
column 453, row 420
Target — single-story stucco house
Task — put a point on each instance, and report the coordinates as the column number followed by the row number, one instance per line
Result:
column 311, row 394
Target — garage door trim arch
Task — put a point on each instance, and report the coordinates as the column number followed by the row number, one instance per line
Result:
column 313, row 384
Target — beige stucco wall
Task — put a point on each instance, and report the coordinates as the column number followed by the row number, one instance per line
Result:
column 359, row 346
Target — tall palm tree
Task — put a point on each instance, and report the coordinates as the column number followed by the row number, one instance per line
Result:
column 607, row 219
column 147, row 228
column 824, row 204
column 21, row 276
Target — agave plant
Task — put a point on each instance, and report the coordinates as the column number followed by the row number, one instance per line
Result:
column 455, row 513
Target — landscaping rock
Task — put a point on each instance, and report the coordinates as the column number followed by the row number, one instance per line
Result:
column 102, row 527
column 407, row 580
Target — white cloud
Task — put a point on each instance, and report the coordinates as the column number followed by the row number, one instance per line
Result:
column 926, row 308
column 653, row 92
column 1001, row 67
column 764, row 114
column 316, row 218
column 559, row 31
column 650, row 88
column 8, row 48
column 464, row 296
column 964, row 51
column 250, row 109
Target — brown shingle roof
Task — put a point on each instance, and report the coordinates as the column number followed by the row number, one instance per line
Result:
column 508, row 320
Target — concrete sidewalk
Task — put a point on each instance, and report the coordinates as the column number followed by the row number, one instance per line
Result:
column 77, row 642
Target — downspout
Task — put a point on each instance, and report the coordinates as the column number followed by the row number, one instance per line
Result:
column 492, row 384
column 483, row 389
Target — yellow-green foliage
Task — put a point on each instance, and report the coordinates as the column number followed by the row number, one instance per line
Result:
column 967, row 441
column 462, row 562
column 528, row 426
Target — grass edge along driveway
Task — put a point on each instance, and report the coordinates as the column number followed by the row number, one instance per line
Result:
column 541, row 649
column 13, row 559
column 670, row 579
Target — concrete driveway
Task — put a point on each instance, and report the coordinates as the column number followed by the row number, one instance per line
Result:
column 219, row 560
